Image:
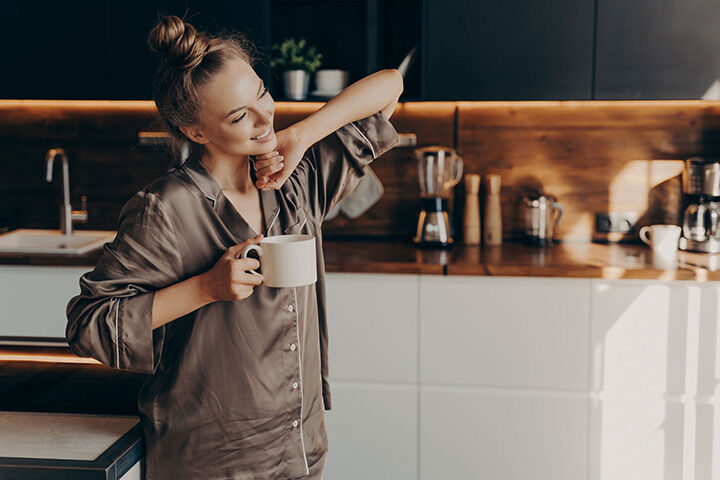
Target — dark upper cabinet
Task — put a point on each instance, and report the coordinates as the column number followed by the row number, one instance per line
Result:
column 359, row 36
column 337, row 29
column 508, row 50
column 52, row 51
column 399, row 30
column 467, row 50
column 98, row 49
column 657, row 49
column 131, row 63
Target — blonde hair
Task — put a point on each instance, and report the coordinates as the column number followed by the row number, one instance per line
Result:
column 189, row 60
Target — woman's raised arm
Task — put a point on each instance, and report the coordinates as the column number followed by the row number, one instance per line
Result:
column 379, row 91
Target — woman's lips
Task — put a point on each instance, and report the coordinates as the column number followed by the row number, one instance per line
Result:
column 268, row 135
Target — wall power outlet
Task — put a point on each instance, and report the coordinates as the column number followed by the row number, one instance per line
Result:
column 615, row 222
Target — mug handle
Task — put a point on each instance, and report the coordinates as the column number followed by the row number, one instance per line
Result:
column 644, row 235
column 246, row 250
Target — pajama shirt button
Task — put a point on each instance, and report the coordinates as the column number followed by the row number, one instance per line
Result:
column 295, row 423
column 295, row 384
column 292, row 347
column 291, row 308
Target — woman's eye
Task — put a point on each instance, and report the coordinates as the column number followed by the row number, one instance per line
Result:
column 243, row 115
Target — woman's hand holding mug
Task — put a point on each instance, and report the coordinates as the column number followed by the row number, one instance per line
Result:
column 228, row 279
column 273, row 168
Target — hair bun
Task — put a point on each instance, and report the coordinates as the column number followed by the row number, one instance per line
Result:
column 182, row 46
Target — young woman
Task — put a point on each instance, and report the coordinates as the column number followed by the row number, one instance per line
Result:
column 237, row 372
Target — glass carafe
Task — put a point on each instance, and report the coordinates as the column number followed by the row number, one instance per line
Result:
column 701, row 221
column 439, row 169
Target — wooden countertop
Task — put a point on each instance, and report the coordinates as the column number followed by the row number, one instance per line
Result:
column 582, row 260
column 563, row 260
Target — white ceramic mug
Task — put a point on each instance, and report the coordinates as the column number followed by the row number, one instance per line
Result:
column 663, row 239
column 286, row 260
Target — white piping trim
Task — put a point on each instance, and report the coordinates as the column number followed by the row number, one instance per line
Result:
column 117, row 343
column 297, row 331
column 366, row 139
column 273, row 220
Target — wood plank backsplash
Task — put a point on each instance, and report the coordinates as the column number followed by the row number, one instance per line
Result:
column 622, row 156
column 594, row 156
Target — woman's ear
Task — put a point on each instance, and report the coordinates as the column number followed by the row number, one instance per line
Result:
column 194, row 134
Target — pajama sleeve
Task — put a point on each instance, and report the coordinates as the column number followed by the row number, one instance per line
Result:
column 111, row 319
column 332, row 167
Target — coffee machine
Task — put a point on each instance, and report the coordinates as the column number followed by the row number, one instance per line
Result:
column 701, row 219
column 439, row 170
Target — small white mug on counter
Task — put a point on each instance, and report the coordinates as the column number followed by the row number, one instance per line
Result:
column 663, row 239
column 285, row 260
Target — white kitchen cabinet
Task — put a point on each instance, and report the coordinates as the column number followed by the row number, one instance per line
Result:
column 372, row 327
column 34, row 299
column 639, row 355
column 472, row 433
column 639, row 336
column 638, row 436
column 704, row 412
column 372, row 432
column 504, row 377
column 486, row 377
column 654, row 378
column 504, row 332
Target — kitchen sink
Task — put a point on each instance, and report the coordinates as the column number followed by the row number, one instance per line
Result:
column 35, row 240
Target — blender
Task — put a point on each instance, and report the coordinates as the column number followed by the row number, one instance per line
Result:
column 439, row 170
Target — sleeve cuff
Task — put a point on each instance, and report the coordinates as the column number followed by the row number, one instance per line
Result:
column 369, row 138
column 378, row 133
column 138, row 346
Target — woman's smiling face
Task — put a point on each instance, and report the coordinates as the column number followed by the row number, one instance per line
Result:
column 236, row 109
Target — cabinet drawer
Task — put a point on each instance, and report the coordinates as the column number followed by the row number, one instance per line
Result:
column 372, row 325
column 512, row 332
column 34, row 299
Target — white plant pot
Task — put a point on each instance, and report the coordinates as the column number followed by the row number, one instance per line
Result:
column 296, row 83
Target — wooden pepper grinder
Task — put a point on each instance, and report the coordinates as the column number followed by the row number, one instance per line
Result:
column 492, row 226
column 471, row 214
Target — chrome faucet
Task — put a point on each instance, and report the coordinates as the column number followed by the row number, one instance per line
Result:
column 67, row 214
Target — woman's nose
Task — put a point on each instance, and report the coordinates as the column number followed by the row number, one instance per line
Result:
column 263, row 119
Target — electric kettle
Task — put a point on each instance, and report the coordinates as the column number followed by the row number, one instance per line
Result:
column 542, row 216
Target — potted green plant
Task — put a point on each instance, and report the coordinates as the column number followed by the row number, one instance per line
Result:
column 297, row 61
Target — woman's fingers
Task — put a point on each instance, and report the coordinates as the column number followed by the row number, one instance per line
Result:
column 264, row 156
column 270, row 164
column 264, row 181
column 267, row 168
column 263, row 172
column 250, row 279
column 266, row 163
